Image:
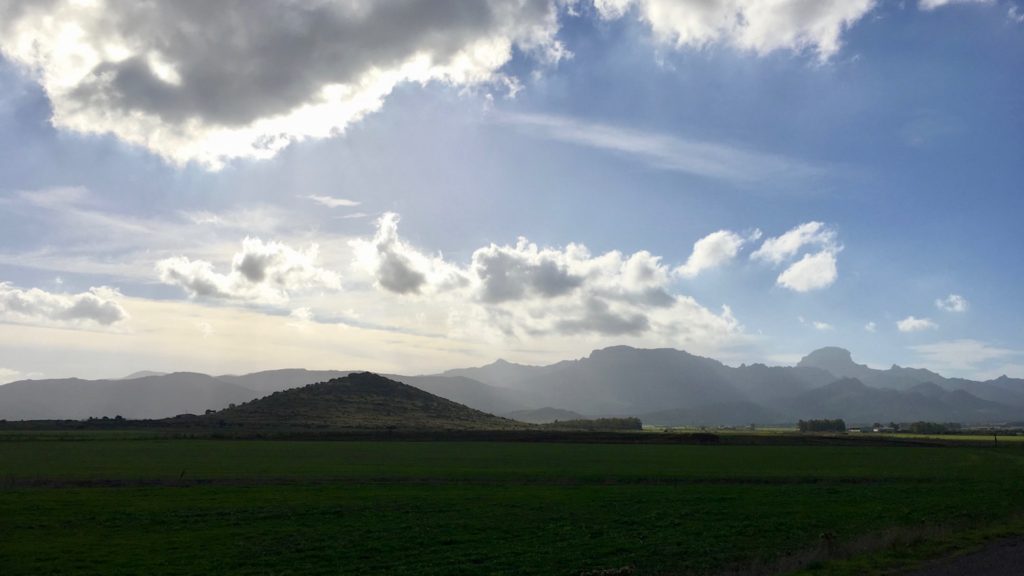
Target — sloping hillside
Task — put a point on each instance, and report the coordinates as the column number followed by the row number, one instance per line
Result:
column 361, row 400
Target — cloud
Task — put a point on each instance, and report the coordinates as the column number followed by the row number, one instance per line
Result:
column 7, row 375
column 781, row 248
column 524, row 271
column 207, row 83
column 263, row 272
column 523, row 290
column 195, row 81
column 753, row 25
column 205, row 329
column 663, row 152
column 871, row 327
column 598, row 317
column 712, row 251
column 398, row 267
column 933, row 4
column 961, row 355
column 332, row 202
column 57, row 198
column 816, row 324
column 952, row 303
column 812, row 272
column 98, row 306
column 913, row 324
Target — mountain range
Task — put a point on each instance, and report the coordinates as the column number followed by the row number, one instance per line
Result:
column 661, row 386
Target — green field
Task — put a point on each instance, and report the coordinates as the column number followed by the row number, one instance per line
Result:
column 150, row 506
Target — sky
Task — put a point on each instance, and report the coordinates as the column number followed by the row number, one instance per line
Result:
column 410, row 186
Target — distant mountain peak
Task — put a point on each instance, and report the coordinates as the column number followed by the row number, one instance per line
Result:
column 143, row 374
column 501, row 363
column 613, row 349
column 829, row 354
column 836, row 360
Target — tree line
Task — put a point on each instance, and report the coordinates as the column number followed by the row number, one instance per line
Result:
column 823, row 425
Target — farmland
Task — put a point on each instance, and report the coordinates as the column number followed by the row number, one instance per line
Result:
column 173, row 506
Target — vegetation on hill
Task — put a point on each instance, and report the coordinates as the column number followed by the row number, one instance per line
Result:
column 359, row 400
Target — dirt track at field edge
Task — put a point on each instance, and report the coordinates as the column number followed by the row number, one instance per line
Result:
column 1001, row 558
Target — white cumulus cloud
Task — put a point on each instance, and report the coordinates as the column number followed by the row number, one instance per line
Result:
column 524, row 290
column 97, row 306
column 781, row 248
column 212, row 81
column 952, row 303
column 712, row 251
column 398, row 267
column 755, row 25
column 812, row 272
column 263, row 272
column 207, row 82
column 914, row 324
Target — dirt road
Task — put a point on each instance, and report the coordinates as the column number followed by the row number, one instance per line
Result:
column 1002, row 558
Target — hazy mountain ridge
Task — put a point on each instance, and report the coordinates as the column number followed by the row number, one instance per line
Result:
column 161, row 396
column 663, row 386
column 672, row 387
column 140, row 397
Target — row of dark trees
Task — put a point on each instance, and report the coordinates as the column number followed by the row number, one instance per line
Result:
column 823, row 425
column 598, row 424
column 934, row 427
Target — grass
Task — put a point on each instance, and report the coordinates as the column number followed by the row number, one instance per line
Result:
column 274, row 507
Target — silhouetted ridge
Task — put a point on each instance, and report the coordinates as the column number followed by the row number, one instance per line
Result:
column 360, row 400
column 836, row 360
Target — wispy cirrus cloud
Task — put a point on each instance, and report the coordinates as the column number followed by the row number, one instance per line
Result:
column 332, row 202
column 933, row 4
column 966, row 356
column 707, row 159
